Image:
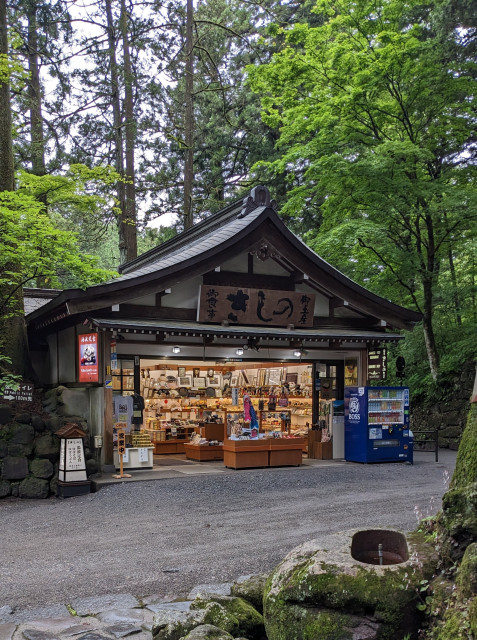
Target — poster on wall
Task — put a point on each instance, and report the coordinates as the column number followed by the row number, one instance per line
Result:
column 88, row 357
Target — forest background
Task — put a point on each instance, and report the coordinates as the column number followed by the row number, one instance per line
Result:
column 123, row 123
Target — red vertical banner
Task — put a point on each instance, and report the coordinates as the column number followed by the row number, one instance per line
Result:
column 88, row 357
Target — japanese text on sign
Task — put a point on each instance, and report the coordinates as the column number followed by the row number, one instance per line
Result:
column 88, row 357
column 244, row 306
column 23, row 393
column 378, row 364
column 74, row 458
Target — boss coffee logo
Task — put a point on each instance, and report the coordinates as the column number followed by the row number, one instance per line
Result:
column 354, row 409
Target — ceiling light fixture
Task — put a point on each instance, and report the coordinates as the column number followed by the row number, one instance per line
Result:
column 239, row 351
column 297, row 353
column 176, row 349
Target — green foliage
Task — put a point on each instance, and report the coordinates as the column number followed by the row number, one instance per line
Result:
column 7, row 379
column 34, row 248
column 80, row 201
column 376, row 128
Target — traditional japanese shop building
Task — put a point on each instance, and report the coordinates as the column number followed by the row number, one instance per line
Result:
column 235, row 302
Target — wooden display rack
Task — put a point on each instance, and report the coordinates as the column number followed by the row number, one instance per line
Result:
column 204, row 452
column 243, row 454
column 285, row 452
column 272, row 452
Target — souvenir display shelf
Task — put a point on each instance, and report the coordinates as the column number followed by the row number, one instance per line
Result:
column 265, row 452
column 204, row 452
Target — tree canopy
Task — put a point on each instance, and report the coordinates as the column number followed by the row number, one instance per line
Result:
column 377, row 133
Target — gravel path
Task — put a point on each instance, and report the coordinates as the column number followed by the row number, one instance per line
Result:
column 164, row 537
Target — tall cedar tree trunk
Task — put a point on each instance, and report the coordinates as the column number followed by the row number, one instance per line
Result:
column 117, row 123
column 189, row 120
column 124, row 159
column 13, row 342
column 129, row 214
column 35, row 95
column 7, row 174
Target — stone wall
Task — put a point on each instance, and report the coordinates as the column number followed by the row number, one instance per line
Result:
column 29, row 448
column 446, row 409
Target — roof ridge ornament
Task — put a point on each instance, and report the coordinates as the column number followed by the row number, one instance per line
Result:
column 259, row 197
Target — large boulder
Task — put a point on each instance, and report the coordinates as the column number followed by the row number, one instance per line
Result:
column 324, row 594
column 251, row 589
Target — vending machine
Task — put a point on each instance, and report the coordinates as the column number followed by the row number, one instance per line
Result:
column 377, row 425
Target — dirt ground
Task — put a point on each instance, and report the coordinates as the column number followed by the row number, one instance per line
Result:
column 166, row 536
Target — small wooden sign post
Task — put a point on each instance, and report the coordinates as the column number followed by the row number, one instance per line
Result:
column 121, row 452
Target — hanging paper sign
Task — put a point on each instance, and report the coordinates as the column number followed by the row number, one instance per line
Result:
column 235, row 396
column 143, row 454
column 88, row 357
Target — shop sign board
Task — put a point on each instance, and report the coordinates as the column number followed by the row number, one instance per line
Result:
column 23, row 393
column 378, row 364
column 121, row 442
column 264, row 307
column 88, row 357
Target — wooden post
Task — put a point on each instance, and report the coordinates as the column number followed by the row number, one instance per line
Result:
column 121, row 452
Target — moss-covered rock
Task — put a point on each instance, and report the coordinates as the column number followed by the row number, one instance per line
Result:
column 458, row 522
column 47, row 446
column 234, row 615
column 174, row 621
column 467, row 576
column 32, row 487
column 207, row 632
column 473, row 616
column 327, row 595
column 42, row 468
column 251, row 589
column 22, row 432
column 465, row 471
